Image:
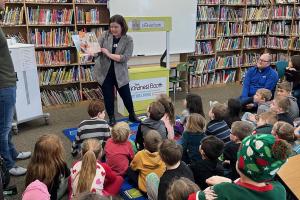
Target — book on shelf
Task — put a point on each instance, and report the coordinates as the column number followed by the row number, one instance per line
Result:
column 62, row 96
column 258, row 2
column 279, row 56
column 297, row 12
column 224, row 44
column 233, row 2
column 46, row 1
column 251, row 58
column 201, row 80
column 230, row 28
column 282, row 12
column 296, row 28
column 256, row 28
column 205, row 65
column 98, row 30
column 13, row 16
column 18, row 37
column 205, row 13
column 280, row 28
column 231, row 14
column 295, row 43
column 206, row 31
column 44, row 16
column 284, row 1
column 254, row 42
column 58, row 76
column 91, row 16
column 278, row 42
column 257, row 13
column 229, row 61
column 91, row 1
column 208, row 1
column 204, row 47
column 60, row 37
column 225, row 76
column 87, row 74
column 53, row 57
column 13, row 1
column 92, row 93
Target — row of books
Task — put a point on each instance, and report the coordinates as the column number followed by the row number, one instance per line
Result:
column 258, row 2
column 235, row 2
column 205, row 13
column 53, row 57
column 55, row 97
column 224, row 44
column 58, row 76
column 282, row 12
column 204, row 47
column 91, row 16
column 208, row 1
column 296, row 28
column 280, row 28
column 297, row 12
column 205, row 65
column 256, row 28
column 254, row 42
column 295, row 44
column 92, row 93
column 229, row 13
column 278, row 42
column 284, row 1
column 87, row 73
column 205, row 31
column 13, row 16
column 229, row 61
column 98, row 31
column 230, row 28
column 223, row 76
column 59, row 37
column 279, row 56
column 91, row 1
column 18, row 37
column 42, row 16
column 251, row 58
column 258, row 13
column 48, row 1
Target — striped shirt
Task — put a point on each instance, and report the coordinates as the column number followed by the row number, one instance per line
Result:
column 91, row 128
column 220, row 129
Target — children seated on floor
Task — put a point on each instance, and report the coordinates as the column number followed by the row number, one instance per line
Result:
column 48, row 165
column 239, row 130
column 89, row 175
column 265, row 122
column 192, row 137
column 234, row 109
column 155, row 113
column 171, row 154
column 169, row 116
column 259, row 159
column 192, row 104
column 280, row 105
column 146, row 161
column 217, row 126
column 118, row 149
column 181, row 188
column 96, row 127
column 285, row 89
column 211, row 149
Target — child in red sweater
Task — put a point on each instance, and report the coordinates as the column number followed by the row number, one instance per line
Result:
column 118, row 149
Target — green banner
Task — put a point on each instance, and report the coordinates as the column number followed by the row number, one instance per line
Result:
column 149, row 24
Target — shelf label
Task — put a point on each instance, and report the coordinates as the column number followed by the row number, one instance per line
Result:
column 149, row 24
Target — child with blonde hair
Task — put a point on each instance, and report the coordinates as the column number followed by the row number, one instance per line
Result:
column 281, row 105
column 118, row 149
column 48, row 165
column 89, row 175
column 192, row 137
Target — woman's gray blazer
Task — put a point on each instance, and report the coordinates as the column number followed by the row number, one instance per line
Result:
column 102, row 64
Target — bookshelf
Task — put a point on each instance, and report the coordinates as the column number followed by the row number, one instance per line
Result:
column 49, row 25
column 244, row 30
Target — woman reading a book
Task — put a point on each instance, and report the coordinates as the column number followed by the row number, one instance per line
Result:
column 111, row 68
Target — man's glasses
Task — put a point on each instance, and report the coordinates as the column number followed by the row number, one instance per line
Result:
column 261, row 60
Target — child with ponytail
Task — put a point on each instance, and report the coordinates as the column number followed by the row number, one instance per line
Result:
column 89, row 175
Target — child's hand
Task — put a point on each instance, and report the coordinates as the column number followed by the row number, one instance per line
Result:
column 226, row 162
column 250, row 105
column 210, row 194
column 252, row 117
column 214, row 180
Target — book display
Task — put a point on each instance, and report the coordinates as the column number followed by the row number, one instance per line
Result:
column 64, row 76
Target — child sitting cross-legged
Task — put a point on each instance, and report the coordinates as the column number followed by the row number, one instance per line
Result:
column 281, row 105
column 89, row 175
column 118, row 149
column 259, row 159
column 265, row 122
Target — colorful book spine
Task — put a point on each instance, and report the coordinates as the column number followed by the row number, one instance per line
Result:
column 208, row 1
column 254, row 42
column 53, row 38
column 202, row 80
column 225, row 76
column 250, row 59
column 91, row 16
column 60, row 57
column 284, row 1
column 256, row 28
column 87, row 73
column 204, row 47
column 229, row 61
column 295, row 44
column 92, row 93
column 233, row 2
column 55, row 97
column 206, row 31
column 230, row 29
column 296, row 28
column 279, row 56
column 206, row 13
column 42, row 16
column 58, row 76
column 258, row 2
column 98, row 31
column 258, row 13
column 280, row 28
column 13, row 16
column 297, row 12
column 46, row 1
column 85, row 1
column 225, row 44
column 13, row 1
column 282, row 12
column 278, row 42
column 205, row 65
column 231, row 14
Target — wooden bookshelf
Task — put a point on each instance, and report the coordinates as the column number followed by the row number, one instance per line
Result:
column 63, row 79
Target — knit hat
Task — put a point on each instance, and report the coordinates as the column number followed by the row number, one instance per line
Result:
column 261, row 156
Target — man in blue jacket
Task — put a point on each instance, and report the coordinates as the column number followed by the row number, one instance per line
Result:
column 260, row 76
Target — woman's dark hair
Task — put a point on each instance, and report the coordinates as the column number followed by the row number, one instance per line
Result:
column 119, row 19
column 234, row 107
column 194, row 104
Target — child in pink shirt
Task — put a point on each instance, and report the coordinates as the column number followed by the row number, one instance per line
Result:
column 118, row 149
